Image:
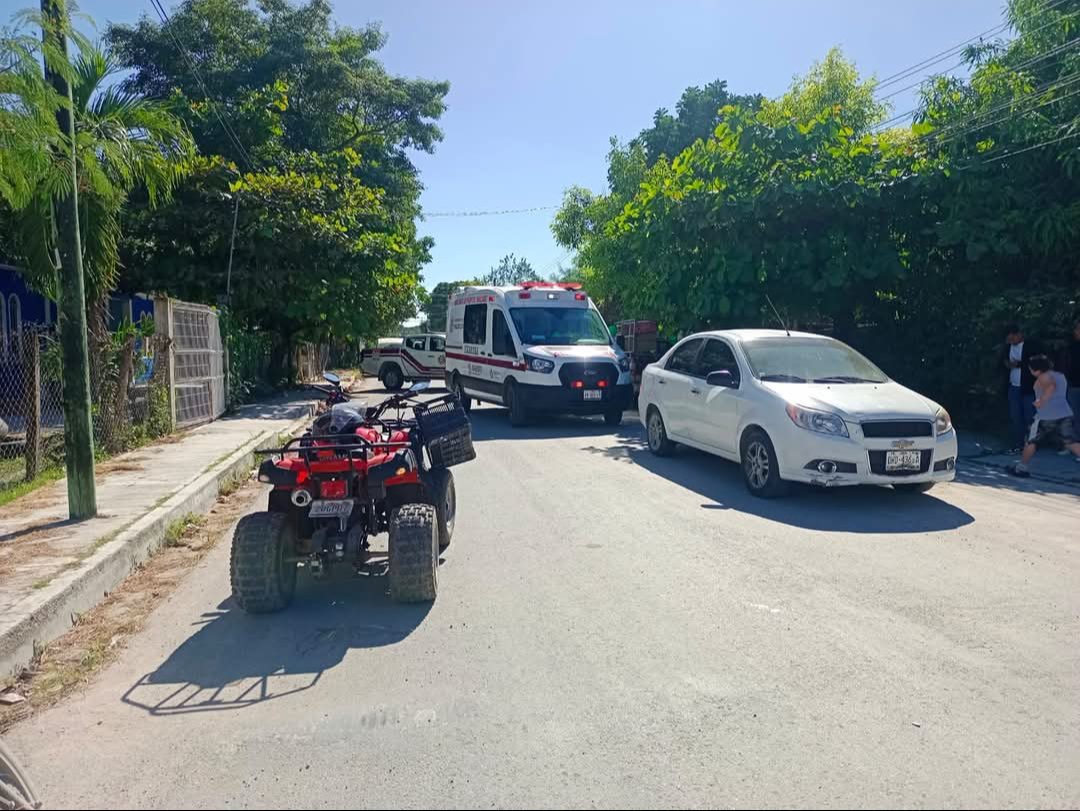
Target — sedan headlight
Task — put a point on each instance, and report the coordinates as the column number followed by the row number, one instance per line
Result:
column 624, row 363
column 542, row 365
column 942, row 422
column 821, row 422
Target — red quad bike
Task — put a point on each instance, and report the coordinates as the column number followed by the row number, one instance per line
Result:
column 359, row 471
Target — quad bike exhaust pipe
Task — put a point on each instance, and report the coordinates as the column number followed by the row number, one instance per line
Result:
column 301, row 497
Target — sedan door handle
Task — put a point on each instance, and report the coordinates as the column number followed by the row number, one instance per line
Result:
column 661, row 381
column 695, row 391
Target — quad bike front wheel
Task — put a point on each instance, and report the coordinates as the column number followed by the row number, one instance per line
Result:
column 444, row 497
column 262, row 571
column 414, row 554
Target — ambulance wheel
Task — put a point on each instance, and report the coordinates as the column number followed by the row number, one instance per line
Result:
column 519, row 414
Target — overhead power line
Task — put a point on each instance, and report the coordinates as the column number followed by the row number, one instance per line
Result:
column 490, row 213
column 163, row 15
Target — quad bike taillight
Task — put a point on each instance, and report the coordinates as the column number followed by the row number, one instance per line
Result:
column 334, row 488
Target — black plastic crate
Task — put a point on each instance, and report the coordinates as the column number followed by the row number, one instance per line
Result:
column 448, row 434
column 452, row 448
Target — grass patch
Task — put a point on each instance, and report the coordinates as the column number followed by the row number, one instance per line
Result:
column 41, row 583
column 47, row 476
column 179, row 529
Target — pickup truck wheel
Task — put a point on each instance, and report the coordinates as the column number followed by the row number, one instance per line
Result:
column 414, row 554
column 262, row 575
column 761, row 469
column 392, row 378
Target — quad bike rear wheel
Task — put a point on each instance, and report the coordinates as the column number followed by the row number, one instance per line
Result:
column 444, row 497
column 414, row 554
column 262, row 571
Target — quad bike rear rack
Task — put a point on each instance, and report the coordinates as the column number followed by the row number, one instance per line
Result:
column 306, row 451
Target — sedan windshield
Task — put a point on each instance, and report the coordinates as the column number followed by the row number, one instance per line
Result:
column 809, row 360
column 560, row 326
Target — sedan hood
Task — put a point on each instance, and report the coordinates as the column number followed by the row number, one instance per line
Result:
column 857, row 402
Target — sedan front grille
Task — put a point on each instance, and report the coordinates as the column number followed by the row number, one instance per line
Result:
column 897, row 429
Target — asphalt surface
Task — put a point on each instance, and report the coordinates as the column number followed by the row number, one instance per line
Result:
column 617, row 630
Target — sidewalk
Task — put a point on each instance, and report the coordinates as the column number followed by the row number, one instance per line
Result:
column 51, row 568
column 986, row 450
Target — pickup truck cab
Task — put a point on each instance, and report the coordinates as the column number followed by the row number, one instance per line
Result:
column 412, row 357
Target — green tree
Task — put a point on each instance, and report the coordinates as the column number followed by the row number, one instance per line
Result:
column 832, row 84
column 326, row 241
column 510, row 270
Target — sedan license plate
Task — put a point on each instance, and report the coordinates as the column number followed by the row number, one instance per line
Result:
column 592, row 394
column 903, row 460
column 330, row 508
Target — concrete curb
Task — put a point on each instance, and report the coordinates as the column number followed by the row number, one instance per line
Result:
column 54, row 609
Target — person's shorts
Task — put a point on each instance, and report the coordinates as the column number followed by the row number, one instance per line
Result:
column 1052, row 430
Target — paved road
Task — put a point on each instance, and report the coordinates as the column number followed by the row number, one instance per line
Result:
column 618, row 630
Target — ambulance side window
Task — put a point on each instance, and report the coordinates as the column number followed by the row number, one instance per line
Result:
column 502, row 342
column 475, row 331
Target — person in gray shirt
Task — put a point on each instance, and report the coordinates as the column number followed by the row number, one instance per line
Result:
column 1053, row 415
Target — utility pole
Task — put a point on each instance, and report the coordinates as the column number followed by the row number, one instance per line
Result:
column 78, row 426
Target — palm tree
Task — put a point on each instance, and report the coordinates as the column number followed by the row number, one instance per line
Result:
column 122, row 142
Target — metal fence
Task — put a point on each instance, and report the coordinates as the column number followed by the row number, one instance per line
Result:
column 129, row 398
column 198, row 371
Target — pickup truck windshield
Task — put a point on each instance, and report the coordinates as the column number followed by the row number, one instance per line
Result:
column 560, row 326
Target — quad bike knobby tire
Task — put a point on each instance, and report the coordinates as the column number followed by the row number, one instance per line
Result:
column 440, row 484
column 414, row 554
column 262, row 572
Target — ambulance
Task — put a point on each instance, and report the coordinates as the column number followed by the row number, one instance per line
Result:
column 537, row 347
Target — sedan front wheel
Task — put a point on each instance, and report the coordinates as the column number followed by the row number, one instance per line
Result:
column 761, row 469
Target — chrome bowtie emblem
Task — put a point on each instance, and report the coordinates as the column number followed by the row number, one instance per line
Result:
column 903, row 443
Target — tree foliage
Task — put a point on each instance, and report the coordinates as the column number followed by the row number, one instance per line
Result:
column 913, row 242
column 315, row 155
column 510, row 270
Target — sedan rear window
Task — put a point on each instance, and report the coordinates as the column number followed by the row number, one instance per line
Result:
column 809, row 360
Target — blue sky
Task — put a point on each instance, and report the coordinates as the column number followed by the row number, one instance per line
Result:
column 537, row 89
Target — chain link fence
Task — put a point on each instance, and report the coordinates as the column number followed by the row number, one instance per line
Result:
column 129, row 398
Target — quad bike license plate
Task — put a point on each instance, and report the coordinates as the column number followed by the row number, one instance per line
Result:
column 903, row 460
column 330, row 508
column 592, row 394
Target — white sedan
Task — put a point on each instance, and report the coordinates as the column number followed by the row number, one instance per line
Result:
column 795, row 407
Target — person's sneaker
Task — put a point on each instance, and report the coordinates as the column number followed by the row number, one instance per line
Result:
column 1065, row 452
column 1019, row 470
column 1013, row 451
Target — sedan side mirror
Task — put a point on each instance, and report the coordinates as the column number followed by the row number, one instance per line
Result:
column 724, row 378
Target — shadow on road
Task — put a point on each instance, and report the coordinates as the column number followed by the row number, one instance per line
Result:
column 236, row 660
column 492, row 422
column 869, row 510
column 974, row 472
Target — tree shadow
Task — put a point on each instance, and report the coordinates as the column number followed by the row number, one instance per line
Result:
column 493, row 422
column 236, row 660
column 866, row 510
